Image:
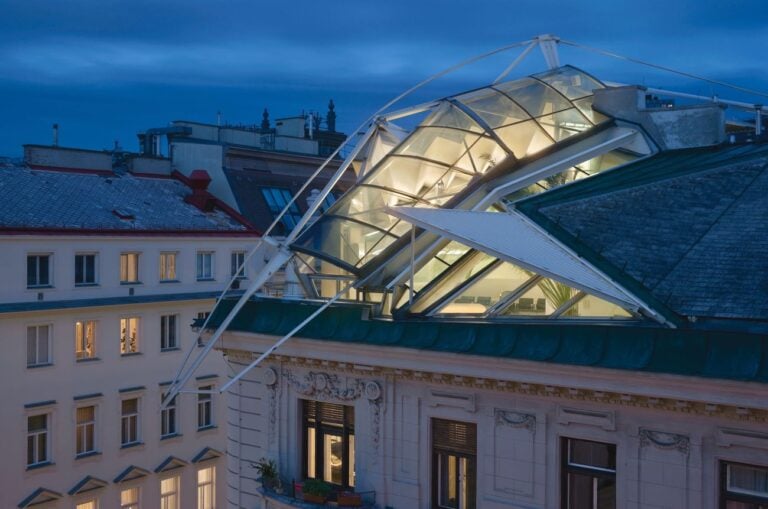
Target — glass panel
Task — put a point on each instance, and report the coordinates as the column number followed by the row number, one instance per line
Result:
column 570, row 82
column 448, row 115
column 483, row 156
column 592, row 454
column 524, row 139
column 535, row 97
column 605, row 161
column 564, row 124
column 748, row 480
column 367, row 204
column 410, row 176
column 437, row 144
column 447, row 466
column 333, row 454
column 538, row 302
column 433, row 268
column 446, row 187
column 346, row 240
column 311, row 453
column 351, row 460
column 494, row 108
column 594, row 307
column 487, row 291
column 477, row 263
column 585, row 107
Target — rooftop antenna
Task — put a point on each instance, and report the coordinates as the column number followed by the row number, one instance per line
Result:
column 55, row 135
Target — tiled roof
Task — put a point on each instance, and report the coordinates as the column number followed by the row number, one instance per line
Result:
column 691, row 227
column 65, row 200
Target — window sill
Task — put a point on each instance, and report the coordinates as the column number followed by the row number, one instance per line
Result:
column 88, row 359
column 130, row 283
column 39, row 287
column 42, row 365
column 171, row 349
column 168, row 437
column 129, row 354
column 166, row 281
column 37, row 466
column 205, row 279
column 86, row 285
column 208, row 428
column 88, row 454
column 131, row 445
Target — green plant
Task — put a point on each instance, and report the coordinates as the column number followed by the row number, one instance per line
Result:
column 316, row 487
column 268, row 473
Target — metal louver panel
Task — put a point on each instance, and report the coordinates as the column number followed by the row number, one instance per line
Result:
column 460, row 437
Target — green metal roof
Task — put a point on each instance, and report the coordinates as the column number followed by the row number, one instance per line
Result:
column 709, row 354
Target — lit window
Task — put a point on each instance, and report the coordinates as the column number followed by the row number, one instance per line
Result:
column 129, row 335
column 205, row 408
column 169, row 493
column 277, row 199
column 38, row 270
column 204, row 265
column 743, row 486
column 85, row 430
column 168, row 425
column 85, row 269
column 238, row 260
column 85, row 340
column 88, row 504
column 454, row 464
column 38, row 345
column 38, row 446
column 129, row 498
column 129, row 421
column 169, row 332
column 206, row 488
column 589, row 473
column 129, row 268
column 167, row 266
column 329, row 432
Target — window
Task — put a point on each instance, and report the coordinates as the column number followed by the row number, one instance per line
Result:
column 206, row 488
column 238, row 259
column 38, row 345
column 88, row 504
column 37, row 440
column 204, row 265
column 85, row 340
column 329, row 442
column 454, row 464
column 85, row 430
column 129, row 267
column 277, row 199
column 129, row 335
column 85, row 269
column 129, row 421
column 169, row 332
column 743, row 486
column 588, row 474
column 38, row 270
column 205, row 408
column 168, row 425
column 169, row 493
column 167, row 266
column 129, row 498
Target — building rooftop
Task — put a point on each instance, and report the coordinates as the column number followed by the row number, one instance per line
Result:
column 40, row 200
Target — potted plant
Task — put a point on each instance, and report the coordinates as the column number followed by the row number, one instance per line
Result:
column 268, row 474
column 349, row 499
column 316, row 491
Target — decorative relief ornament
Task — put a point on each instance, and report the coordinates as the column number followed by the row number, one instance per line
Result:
column 664, row 440
column 515, row 420
column 372, row 390
column 270, row 377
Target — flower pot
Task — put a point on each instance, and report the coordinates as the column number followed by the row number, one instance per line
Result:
column 315, row 499
column 350, row 500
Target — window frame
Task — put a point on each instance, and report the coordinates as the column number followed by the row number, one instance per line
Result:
column 461, row 452
column 84, row 269
column 209, row 502
column 130, row 419
column 237, row 258
column 38, row 283
column 81, row 328
column 169, row 418
column 345, row 430
column 131, row 505
column 597, row 473
column 200, row 267
column 130, row 260
column 124, row 337
column 33, row 444
column 86, row 428
column 166, row 269
column 205, row 408
column 49, row 346
column 725, row 495
column 175, row 503
column 169, row 331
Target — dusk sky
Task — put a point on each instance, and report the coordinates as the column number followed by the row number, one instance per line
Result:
column 105, row 70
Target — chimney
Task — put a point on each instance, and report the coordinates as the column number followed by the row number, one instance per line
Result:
column 55, row 135
column 331, row 117
column 199, row 180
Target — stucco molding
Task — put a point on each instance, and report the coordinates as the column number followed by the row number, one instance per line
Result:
column 515, row 419
column 664, row 440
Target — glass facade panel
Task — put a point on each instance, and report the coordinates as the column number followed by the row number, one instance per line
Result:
column 483, row 156
column 344, row 240
column 469, row 268
column 488, row 290
column 437, row 144
column 585, row 107
column 448, row 115
column 447, row 186
column 494, row 108
column 407, row 175
column 570, row 82
column 541, row 300
column 437, row 265
column 534, row 96
column 524, row 139
column 594, row 307
column 564, row 124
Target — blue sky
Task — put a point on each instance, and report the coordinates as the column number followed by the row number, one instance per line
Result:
column 105, row 70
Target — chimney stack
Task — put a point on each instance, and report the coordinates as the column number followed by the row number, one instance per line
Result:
column 55, row 135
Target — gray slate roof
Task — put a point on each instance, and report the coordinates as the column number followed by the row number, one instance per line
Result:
column 39, row 199
column 691, row 227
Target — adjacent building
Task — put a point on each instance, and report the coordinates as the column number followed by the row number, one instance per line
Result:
column 103, row 270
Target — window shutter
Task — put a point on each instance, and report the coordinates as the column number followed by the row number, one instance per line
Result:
column 460, row 437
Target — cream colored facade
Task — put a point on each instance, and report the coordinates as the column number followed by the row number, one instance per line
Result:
column 122, row 384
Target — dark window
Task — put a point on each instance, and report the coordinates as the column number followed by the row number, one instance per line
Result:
column 743, row 486
column 168, row 336
column 277, row 199
column 38, row 270
column 37, row 439
column 205, row 408
column 168, row 419
column 454, row 464
column 85, row 269
column 329, row 442
column 237, row 261
column 129, row 418
column 588, row 474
